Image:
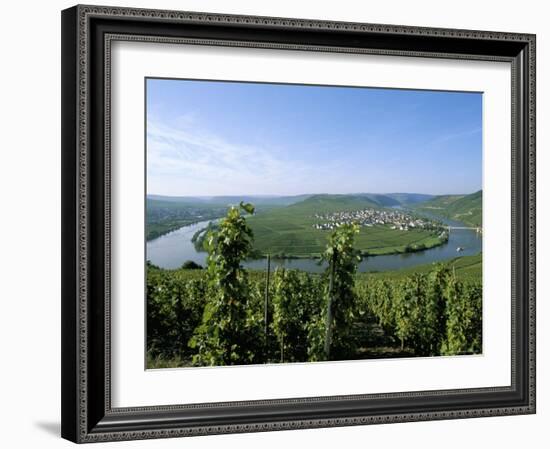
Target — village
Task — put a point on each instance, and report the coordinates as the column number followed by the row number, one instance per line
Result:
column 375, row 217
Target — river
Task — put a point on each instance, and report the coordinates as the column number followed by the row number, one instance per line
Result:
column 173, row 249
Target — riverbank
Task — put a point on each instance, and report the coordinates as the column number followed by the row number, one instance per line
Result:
column 173, row 249
column 465, row 267
column 157, row 230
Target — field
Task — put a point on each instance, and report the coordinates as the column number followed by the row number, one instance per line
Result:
column 289, row 230
column 466, row 268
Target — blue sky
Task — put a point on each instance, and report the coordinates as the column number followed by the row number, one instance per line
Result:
column 218, row 138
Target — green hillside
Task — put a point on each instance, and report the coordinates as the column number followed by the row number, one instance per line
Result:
column 466, row 268
column 165, row 213
column 330, row 203
column 164, row 216
column 465, row 208
column 409, row 198
column 440, row 202
column 381, row 200
column 289, row 230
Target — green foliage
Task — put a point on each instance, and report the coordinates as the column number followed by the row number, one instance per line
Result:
column 425, row 340
column 190, row 265
column 228, row 331
column 463, row 315
column 433, row 313
column 161, row 360
column 376, row 297
column 436, row 303
column 174, row 309
column 296, row 302
column 200, row 236
column 406, row 309
column 410, row 309
column 342, row 258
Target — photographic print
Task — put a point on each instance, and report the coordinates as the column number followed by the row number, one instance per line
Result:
column 271, row 204
column 303, row 223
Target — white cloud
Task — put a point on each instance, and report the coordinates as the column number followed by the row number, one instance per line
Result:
column 188, row 160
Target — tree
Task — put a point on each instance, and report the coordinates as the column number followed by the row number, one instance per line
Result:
column 191, row 265
column 226, row 335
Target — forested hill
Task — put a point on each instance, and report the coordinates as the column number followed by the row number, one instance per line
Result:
column 465, row 208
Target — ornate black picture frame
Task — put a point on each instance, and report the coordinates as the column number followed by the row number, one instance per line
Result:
column 87, row 33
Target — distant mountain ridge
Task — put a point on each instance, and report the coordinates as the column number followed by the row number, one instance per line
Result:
column 410, row 198
column 257, row 200
column 376, row 199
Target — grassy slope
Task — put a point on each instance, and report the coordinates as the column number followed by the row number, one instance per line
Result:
column 289, row 230
column 465, row 208
column 466, row 268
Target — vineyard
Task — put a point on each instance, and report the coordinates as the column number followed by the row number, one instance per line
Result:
column 293, row 230
column 226, row 315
